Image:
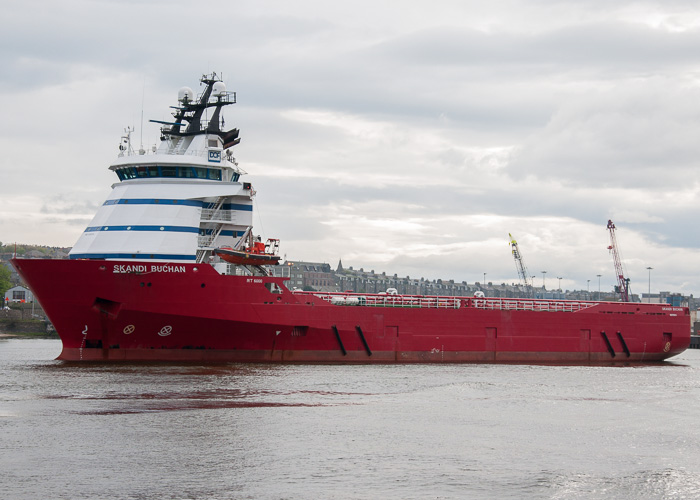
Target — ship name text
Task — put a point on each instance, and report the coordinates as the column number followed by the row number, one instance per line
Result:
column 142, row 268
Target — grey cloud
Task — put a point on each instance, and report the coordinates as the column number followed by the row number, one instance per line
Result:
column 69, row 204
column 600, row 119
column 618, row 138
column 581, row 48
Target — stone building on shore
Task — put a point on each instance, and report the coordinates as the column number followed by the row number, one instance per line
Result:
column 320, row 276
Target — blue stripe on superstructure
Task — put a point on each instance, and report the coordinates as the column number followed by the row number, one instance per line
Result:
column 175, row 229
column 237, row 206
column 154, row 201
column 139, row 256
column 223, row 233
column 171, row 229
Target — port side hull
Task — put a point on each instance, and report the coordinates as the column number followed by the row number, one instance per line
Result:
column 126, row 311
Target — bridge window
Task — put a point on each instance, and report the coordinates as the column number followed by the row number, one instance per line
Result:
column 141, row 172
column 186, row 172
column 128, row 173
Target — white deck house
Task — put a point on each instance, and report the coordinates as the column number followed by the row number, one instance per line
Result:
column 18, row 294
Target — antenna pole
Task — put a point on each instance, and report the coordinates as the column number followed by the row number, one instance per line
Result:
column 143, row 99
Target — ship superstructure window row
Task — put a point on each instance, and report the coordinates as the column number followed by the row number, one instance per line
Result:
column 190, row 203
column 182, row 172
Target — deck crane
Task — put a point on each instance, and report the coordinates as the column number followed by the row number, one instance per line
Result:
column 623, row 284
column 525, row 277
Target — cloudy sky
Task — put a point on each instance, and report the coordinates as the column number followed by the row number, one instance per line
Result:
column 401, row 136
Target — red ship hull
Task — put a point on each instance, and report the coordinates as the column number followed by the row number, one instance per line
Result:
column 114, row 310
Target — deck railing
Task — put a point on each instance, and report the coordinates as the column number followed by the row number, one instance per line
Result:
column 530, row 304
column 436, row 302
column 212, row 214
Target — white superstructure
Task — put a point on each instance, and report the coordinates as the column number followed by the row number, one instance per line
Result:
column 181, row 201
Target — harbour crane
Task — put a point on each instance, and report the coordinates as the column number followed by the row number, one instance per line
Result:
column 623, row 284
column 525, row 278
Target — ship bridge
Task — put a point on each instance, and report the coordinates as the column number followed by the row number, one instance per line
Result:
column 180, row 201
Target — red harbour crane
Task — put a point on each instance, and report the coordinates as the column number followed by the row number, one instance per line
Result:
column 623, row 284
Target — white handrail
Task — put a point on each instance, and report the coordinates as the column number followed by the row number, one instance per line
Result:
column 420, row 301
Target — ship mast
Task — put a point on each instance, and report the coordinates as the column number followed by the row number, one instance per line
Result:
column 188, row 114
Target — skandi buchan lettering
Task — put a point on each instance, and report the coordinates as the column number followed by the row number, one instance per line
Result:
column 136, row 268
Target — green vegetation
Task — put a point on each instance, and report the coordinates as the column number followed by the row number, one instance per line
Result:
column 22, row 249
column 5, row 282
column 26, row 328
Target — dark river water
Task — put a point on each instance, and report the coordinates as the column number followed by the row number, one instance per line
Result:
column 231, row 431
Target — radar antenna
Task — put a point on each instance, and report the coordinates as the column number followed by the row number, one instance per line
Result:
column 125, row 143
